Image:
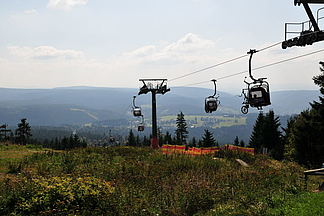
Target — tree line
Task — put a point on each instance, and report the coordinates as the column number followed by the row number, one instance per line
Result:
column 303, row 138
column 21, row 135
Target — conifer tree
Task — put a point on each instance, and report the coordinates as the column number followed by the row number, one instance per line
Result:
column 289, row 141
column 272, row 137
column 23, row 132
column 199, row 144
column 131, row 140
column 193, row 142
column 181, row 131
column 146, row 141
column 256, row 139
column 266, row 134
column 138, row 141
column 242, row 144
column 168, row 138
column 236, row 141
column 208, row 139
column 305, row 134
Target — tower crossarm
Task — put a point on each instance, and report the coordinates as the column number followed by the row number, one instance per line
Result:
column 298, row 2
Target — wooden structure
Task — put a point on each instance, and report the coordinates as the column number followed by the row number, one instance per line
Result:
column 315, row 172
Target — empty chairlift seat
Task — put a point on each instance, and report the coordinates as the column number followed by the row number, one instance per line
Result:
column 259, row 95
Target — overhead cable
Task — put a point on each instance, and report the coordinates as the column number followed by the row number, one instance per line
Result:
column 258, row 68
column 222, row 63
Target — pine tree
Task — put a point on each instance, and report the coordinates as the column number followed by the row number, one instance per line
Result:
column 256, row 139
column 289, row 141
column 236, row 141
column 181, row 131
column 317, row 121
column 242, row 144
column 138, row 142
column 146, row 141
column 200, row 144
column 305, row 134
column 266, row 135
column 131, row 139
column 208, row 139
column 272, row 137
column 193, row 142
column 23, row 132
column 168, row 138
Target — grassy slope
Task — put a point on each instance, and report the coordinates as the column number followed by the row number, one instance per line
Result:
column 15, row 153
column 302, row 205
column 147, row 182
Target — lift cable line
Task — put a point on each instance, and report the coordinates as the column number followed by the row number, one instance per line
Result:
column 257, row 68
column 207, row 68
column 224, row 62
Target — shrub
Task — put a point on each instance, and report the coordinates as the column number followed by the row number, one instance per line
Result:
column 233, row 154
column 62, row 196
column 15, row 167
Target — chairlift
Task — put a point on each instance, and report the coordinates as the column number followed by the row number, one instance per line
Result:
column 257, row 93
column 136, row 110
column 212, row 102
column 141, row 126
column 112, row 139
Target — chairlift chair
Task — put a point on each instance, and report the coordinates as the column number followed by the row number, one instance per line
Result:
column 212, row 102
column 141, row 126
column 111, row 139
column 137, row 112
column 257, row 93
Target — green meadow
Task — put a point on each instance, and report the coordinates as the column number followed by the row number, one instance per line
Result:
column 141, row 181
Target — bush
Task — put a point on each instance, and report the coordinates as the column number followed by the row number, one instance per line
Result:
column 15, row 167
column 233, row 154
column 61, row 196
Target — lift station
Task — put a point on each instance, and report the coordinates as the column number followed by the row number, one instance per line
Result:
column 309, row 31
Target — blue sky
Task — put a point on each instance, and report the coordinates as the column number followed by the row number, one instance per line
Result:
column 53, row 43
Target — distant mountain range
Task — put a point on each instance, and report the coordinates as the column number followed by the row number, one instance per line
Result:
column 80, row 105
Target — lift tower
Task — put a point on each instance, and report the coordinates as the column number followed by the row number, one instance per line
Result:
column 155, row 86
column 309, row 32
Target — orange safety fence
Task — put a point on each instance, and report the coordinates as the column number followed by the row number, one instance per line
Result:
column 181, row 149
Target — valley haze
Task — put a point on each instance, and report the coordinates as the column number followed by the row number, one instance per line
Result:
column 81, row 105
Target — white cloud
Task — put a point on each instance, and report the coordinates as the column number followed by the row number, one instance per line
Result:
column 143, row 51
column 160, row 60
column 190, row 48
column 43, row 52
column 189, row 43
column 65, row 4
column 31, row 12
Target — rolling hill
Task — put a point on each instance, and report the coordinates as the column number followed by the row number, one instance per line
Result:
column 79, row 105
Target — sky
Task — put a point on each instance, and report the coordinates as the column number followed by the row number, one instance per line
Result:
column 106, row 43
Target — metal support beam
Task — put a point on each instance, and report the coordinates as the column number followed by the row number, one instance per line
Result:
column 307, row 36
column 159, row 88
column 309, row 2
column 154, row 142
column 311, row 17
